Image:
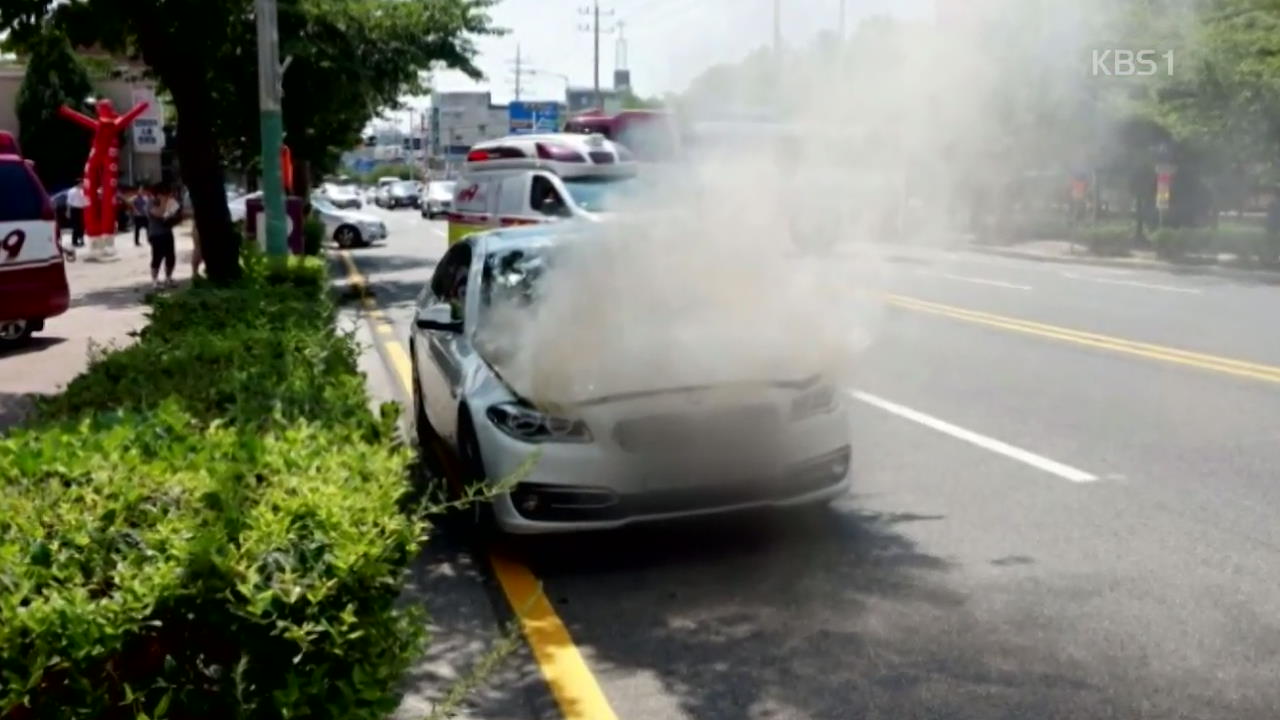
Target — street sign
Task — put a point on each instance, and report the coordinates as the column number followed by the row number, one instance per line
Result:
column 533, row 117
column 148, row 130
column 1163, row 181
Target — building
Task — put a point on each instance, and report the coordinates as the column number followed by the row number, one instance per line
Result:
column 462, row 119
column 139, row 163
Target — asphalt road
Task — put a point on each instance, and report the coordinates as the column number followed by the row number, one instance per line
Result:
column 1044, row 524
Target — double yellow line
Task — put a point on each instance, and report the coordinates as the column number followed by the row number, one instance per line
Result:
column 1202, row 361
column 570, row 681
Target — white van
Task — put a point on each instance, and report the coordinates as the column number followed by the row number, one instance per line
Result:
column 527, row 179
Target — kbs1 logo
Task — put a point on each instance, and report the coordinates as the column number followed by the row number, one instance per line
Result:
column 1120, row 62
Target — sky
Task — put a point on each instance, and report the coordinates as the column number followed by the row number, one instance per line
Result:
column 668, row 42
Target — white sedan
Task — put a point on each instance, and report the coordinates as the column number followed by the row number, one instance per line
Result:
column 347, row 228
column 661, row 450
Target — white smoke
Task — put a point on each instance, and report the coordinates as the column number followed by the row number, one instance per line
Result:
column 762, row 256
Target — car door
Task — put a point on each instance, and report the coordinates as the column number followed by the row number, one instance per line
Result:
column 438, row 352
column 513, row 206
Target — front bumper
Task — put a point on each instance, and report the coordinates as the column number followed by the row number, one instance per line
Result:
column 374, row 232
column 584, row 487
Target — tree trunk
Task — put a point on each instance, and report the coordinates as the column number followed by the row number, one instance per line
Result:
column 302, row 180
column 202, row 173
column 198, row 159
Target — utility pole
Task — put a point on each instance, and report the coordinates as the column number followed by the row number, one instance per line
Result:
column 519, row 67
column 272, row 123
column 272, row 127
column 594, row 12
column 777, row 27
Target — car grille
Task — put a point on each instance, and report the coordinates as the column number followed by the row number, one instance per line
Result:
column 706, row 432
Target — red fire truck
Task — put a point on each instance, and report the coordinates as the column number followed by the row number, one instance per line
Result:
column 651, row 135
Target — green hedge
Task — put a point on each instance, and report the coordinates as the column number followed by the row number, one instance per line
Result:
column 1243, row 241
column 208, row 523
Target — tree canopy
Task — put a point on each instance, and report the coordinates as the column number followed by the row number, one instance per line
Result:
column 350, row 59
column 54, row 77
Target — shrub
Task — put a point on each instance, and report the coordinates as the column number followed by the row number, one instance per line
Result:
column 207, row 524
column 1240, row 240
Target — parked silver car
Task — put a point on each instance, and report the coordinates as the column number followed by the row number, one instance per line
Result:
column 657, row 452
column 347, row 228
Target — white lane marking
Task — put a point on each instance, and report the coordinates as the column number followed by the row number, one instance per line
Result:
column 1053, row 467
column 979, row 281
column 1134, row 283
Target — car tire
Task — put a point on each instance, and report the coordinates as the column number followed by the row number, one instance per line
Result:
column 14, row 333
column 347, row 236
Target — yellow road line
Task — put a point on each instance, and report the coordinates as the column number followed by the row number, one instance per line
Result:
column 574, row 688
column 1214, row 363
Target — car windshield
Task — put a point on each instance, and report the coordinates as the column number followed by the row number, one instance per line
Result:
column 323, row 205
column 512, row 275
column 442, row 190
column 406, row 187
column 603, row 194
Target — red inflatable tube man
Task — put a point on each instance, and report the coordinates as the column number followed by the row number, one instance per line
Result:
column 101, row 170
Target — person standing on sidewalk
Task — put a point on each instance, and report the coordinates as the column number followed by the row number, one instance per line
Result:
column 163, row 214
column 138, row 207
column 77, row 201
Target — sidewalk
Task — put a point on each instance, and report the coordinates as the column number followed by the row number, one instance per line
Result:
column 107, row 306
column 1063, row 251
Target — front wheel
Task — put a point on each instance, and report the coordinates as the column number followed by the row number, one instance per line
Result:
column 346, row 236
column 15, row 332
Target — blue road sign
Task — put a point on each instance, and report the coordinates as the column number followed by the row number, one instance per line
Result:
column 533, row 117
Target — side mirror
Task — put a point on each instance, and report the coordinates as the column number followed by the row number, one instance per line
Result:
column 449, row 326
column 438, row 318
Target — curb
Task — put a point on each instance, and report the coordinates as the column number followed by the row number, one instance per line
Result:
column 1263, row 276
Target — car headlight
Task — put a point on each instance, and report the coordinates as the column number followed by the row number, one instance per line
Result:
column 818, row 401
column 529, row 425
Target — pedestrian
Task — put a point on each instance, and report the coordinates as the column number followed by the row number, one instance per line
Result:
column 77, row 201
column 163, row 214
column 138, row 207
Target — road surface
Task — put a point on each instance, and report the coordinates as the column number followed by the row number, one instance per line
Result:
column 1064, row 507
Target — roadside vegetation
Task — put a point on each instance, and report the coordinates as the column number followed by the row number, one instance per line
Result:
column 210, row 523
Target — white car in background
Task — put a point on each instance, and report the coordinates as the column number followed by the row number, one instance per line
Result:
column 347, row 228
column 437, row 198
column 605, row 458
column 342, row 196
column 239, row 206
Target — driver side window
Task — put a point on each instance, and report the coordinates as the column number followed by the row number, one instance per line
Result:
column 544, row 197
column 449, row 283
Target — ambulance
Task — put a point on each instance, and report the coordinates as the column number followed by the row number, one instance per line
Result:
column 33, row 278
column 531, row 179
